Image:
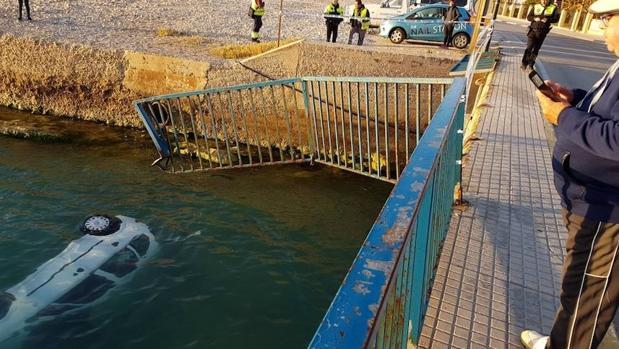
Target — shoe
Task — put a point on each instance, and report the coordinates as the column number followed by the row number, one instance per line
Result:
column 29, row 18
column 19, row 19
column 256, row 40
column 523, row 67
column 533, row 340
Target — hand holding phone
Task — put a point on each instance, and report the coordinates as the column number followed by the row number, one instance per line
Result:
column 541, row 85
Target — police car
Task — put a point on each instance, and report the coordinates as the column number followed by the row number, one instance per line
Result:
column 108, row 253
column 425, row 23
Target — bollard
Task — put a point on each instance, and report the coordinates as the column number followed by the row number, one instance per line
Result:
column 522, row 12
column 505, row 9
column 512, row 10
column 576, row 20
column 588, row 21
column 562, row 18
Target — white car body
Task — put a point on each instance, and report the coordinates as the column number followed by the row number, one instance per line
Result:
column 57, row 283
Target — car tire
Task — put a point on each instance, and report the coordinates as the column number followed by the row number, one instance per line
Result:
column 397, row 35
column 460, row 40
column 100, row 225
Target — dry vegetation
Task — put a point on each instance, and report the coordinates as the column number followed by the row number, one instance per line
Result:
column 235, row 51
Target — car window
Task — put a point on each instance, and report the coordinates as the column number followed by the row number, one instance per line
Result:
column 121, row 263
column 393, row 3
column 6, row 299
column 93, row 287
column 140, row 244
column 464, row 14
column 429, row 13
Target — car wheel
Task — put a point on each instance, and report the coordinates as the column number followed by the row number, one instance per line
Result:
column 460, row 40
column 100, row 225
column 397, row 35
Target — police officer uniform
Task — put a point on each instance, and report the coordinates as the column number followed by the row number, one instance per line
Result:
column 333, row 9
column 540, row 17
column 359, row 26
column 256, row 13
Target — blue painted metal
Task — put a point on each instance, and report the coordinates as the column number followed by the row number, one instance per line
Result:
column 368, row 310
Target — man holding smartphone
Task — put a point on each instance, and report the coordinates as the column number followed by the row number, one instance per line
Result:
column 541, row 16
column 586, row 168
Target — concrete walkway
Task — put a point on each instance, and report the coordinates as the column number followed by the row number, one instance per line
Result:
column 500, row 268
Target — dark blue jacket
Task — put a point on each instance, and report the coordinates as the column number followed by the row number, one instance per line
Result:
column 586, row 157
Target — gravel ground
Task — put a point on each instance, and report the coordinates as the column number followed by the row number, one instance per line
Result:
column 131, row 24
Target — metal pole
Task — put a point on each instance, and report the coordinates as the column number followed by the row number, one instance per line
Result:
column 279, row 26
column 495, row 13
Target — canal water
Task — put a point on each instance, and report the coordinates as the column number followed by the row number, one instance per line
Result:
column 247, row 259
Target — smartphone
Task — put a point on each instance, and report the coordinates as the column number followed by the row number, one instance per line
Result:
column 541, row 85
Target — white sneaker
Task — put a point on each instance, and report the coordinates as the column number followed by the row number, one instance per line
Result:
column 533, row 340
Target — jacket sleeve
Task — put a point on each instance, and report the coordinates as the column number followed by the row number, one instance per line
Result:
column 530, row 16
column 597, row 136
column 555, row 16
column 579, row 94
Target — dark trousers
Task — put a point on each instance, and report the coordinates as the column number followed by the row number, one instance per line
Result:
column 332, row 31
column 590, row 284
column 449, row 32
column 360, row 35
column 21, row 4
column 534, row 44
column 257, row 24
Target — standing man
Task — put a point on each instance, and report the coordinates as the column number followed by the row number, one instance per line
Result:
column 540, row 16
column 586, row 168
column 360, row 23
column 21, row 4
column 256, row 12
column 451, row 16
column 333, row 9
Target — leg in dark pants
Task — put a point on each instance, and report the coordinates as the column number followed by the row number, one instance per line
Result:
column 353, row 30
column 449, row 30
column 255, row 34
column 361, row 37
column 27, row 4
column 590, row 284
column 534, row 44
column 538, row 45
column 332, row 32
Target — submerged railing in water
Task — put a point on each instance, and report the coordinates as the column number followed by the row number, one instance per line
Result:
column 365, row 125
column 383, row 299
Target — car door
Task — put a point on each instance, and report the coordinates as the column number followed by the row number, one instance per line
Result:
column 426, row 24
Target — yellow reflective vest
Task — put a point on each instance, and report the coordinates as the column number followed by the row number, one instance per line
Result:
column 540, row 10
column 258, row 10
column 365, row 22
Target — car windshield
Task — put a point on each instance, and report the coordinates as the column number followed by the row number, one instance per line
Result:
column 87, row 291
column 6, row 299
column 140, row 244
column 121, row 263
column 428, row 13
column 392, row 3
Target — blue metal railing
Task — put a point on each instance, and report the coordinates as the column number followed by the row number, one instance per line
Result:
column 382, row 301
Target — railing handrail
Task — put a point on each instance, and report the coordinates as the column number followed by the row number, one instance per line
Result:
column 353, row 312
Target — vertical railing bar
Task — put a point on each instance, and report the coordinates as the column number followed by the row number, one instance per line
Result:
column 279, row 139
column 315, row 120
column 195, row 133
column 247, row 134
column 296, row 115
column 322, row 125
column 352, row 138
column 287, row 114
column 337, row 142
column 343, row 125
column 429, row 103
column 367, row 127
column 417, row 114
column 178, row 146
column 407, row 123
column 377, row 130
column 266, row 124
column 329, row 122
column 204, row 126
column 442, row 91
column 163, row 129
column 225, row 129
column 256, row 128
column 214, row 124
column 180, row 111
column 308, row 119
column 236, row 129
column 380, row 328
column 359, row 128
column 387, row 131
column 396, row 130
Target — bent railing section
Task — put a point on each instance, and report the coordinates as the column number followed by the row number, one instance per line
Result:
column 382, row 301
column 365, row 125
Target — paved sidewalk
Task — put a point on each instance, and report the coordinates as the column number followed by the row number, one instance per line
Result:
column 555, row 29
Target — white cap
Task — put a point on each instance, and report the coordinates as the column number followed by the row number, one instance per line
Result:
column 604, row 6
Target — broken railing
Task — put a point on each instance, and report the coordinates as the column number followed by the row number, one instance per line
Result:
column 383, row 299
column 365, row 125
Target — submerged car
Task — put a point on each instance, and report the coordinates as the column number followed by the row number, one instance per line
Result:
column 110, row 250
column 426, row 24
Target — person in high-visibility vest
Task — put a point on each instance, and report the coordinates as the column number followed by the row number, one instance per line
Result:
column 359, row 26
column 256, row 12
column 540, row 16
column 333, row 9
